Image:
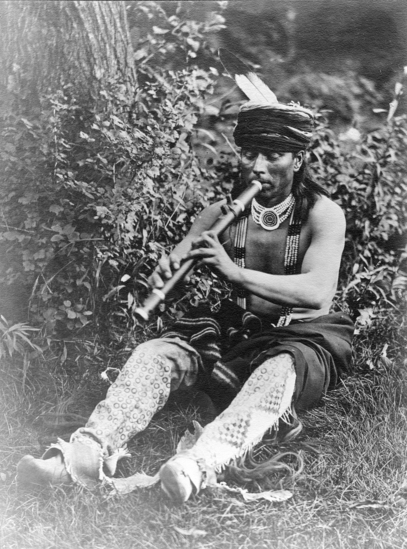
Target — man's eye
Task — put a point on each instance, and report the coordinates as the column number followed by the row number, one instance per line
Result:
column 249, row 155
column 273, row 156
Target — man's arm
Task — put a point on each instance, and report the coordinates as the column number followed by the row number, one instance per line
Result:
column 314, row 287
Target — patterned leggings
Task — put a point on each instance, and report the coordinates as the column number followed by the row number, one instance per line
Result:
column 161, row 365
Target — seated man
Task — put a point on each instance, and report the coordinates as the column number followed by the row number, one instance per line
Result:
column 276, row 349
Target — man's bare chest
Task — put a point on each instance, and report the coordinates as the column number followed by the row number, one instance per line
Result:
column 265, row 250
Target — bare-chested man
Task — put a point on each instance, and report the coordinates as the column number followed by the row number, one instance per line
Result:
column 275, row 349
column 311, row 291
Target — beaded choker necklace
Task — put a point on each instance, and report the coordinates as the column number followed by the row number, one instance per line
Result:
column 271, row 218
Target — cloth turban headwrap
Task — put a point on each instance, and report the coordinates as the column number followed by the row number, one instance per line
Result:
column 277, row 127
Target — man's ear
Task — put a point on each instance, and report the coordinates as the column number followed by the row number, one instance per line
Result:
column 298, row 160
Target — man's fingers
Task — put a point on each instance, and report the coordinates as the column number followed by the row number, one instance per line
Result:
column 210, row 237
column 211, row 234
column 156, row 281
column 174, row 261
column 164, row 267
column 207, row 237
column 164, row 271
column 199, row 252
column 197, row 243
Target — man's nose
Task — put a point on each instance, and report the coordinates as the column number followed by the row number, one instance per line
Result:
column 260, row 165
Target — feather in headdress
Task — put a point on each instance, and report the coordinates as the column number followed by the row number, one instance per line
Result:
column 247, row 80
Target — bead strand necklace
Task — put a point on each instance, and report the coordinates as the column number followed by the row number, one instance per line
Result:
column 271, row 218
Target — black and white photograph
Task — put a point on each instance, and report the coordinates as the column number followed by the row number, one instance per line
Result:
column 203, row 274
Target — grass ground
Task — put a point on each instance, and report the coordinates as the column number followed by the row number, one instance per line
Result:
column 352, row 492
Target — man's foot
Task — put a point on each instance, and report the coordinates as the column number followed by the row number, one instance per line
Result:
column 79, row 461
column 180, row 477
column 42, row 472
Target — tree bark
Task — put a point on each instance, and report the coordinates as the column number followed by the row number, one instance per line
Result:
column 47, row 44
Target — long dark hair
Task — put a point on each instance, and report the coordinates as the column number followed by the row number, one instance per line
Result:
column 306, row 190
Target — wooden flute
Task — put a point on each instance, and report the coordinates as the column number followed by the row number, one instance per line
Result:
column 230, row 212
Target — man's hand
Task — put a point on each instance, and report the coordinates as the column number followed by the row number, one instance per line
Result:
column 207, row 250
column 166, row 266
column 191, row 244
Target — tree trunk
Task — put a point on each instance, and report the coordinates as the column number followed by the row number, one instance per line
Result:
column 47, row 44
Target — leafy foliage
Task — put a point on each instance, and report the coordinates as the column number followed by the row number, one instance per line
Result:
column 368, row 180
column 95, row 192
column 15, row 339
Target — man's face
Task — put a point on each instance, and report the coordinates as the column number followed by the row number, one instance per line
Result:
column 274, row 170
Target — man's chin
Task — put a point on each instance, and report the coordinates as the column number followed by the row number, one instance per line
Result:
column 267, row 190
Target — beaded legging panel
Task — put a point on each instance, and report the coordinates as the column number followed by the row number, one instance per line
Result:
column 141, row 389
column 265, row 397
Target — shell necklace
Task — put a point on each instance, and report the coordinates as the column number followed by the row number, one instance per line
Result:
column 271, row 218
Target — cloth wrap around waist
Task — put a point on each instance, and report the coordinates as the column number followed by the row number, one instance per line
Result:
column 233, row 342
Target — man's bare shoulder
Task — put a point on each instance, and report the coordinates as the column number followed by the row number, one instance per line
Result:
column 327, row 214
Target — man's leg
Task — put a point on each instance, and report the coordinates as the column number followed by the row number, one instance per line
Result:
column 263, row 400
column 155, row 368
